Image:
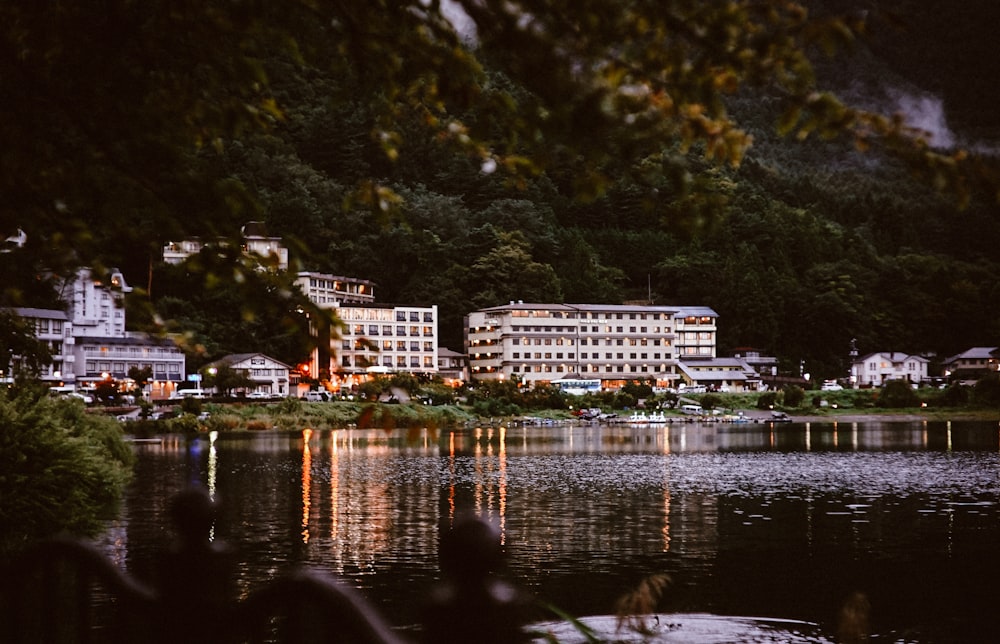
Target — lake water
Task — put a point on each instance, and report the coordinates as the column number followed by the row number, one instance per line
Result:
column 783, row 521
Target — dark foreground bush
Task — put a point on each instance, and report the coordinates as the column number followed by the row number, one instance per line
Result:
column 61, row 469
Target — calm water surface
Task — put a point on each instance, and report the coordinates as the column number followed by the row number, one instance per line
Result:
column 780, row 521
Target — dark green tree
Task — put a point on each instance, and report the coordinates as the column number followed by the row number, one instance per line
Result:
column 226, row 379
column 508, row 272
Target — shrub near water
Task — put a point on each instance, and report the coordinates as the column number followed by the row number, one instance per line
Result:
column 61, row 469
column 897, row 394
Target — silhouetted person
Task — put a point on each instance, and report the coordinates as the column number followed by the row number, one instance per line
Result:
column 852, row 622
column 471, row 604
column 195, row 576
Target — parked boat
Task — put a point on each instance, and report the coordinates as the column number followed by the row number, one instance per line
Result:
column 641, row 418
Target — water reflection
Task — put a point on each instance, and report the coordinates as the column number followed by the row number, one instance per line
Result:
column 778, row 521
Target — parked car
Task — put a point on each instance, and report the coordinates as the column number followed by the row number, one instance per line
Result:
column 180, row 394
column 831, row 385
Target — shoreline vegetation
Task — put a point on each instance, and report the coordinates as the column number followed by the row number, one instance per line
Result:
column 292, row 415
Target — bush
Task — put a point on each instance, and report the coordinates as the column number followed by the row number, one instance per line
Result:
column 191, row 406
column 61, row 470
column 987, row 390
column 898, row 394
column 624, row 400
column 793, row 396
column 767, row 400
column 710, row 401
column 955, row 395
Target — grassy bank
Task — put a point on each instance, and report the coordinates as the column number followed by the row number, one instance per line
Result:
column 293, row 414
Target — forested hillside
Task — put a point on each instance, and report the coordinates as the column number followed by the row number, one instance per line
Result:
column 806, row 244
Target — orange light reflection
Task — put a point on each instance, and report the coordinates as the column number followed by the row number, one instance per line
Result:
column 306, row 482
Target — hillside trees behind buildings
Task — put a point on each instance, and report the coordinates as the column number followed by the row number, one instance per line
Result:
column 638, row 159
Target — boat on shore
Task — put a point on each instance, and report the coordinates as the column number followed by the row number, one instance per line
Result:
column 642, row 418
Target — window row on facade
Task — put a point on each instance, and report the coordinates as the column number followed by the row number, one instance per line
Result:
column 517, row 355
column 387, row 345
column 578, row 368
column 399, row 362
column 120, row 370
column 386, row 329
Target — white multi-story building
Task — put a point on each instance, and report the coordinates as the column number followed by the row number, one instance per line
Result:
column 89, row 342
column 270, row 251
column 177, row 252
column 539, row 343
column 95, row 304
column 697, row 329
column 54, row 328
column 257, row 242
column 379, row 339
column 327, row 290
column 99, row 359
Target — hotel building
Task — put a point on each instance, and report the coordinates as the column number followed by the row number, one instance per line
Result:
column 378, row 339
column 89, row 342
column 613, row 343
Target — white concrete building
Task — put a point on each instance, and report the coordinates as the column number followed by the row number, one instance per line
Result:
column 95, row 304
column 328, row 290
column 255, row 242
column 54, row 328
column 540, row 343
column 271, row 251
column 696, row 331
column 89, row 342
column 99, row 358
column 379, row 339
